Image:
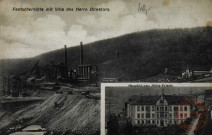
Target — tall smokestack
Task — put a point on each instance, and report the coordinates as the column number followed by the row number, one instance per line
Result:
column 81, row 54
column 65, row 56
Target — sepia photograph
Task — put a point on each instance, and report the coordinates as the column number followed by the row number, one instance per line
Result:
column 157, row 109
column 56, row 54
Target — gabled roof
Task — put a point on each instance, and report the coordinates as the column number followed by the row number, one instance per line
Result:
column 175, row 99
column 152, row 99
column 143, row 100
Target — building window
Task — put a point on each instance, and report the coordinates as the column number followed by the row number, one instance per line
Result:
column 142, row 122
column 148, row 115
column 175, row 108
column 185, row 108
column 148, row 108
column 165, row 115
column 147, row 122
column 138, row 115
column 181, row 108
column 138, row 108
column 170, row 108
column 166, row 108
column 157, row 108
column 170, row 115
column 181, row 115
column 153, row 115
column 158, row 115
column 161, row 101
column 161, row 123
column 161, row 109
column 153, row 122
column 176, row 115
column 153, row 108
column 161, row 115
column 142, row 108
column 142, row 115
column 138, row 121
column 185, row 115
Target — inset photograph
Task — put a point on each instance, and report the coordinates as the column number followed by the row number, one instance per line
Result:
column 157, row 109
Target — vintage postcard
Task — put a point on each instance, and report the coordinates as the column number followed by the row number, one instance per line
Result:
column 54, row 55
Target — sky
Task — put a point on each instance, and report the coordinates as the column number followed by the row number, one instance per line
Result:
column 26, row 34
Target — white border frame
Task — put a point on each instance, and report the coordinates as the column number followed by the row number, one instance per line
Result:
column 103, row 85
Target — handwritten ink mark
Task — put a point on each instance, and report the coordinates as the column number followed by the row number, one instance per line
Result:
column 143, row 8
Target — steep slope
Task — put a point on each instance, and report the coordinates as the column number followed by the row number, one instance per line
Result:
column 75, row 114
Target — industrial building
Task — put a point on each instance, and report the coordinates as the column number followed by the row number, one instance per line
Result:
column 188, row 73
column 82, row 74
column 63, row 72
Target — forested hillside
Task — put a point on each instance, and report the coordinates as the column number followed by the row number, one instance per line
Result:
column 141, row 55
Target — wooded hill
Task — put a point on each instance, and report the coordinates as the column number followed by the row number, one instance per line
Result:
column 141, row 55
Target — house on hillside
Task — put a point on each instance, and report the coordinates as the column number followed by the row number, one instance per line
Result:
column 159, row 110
